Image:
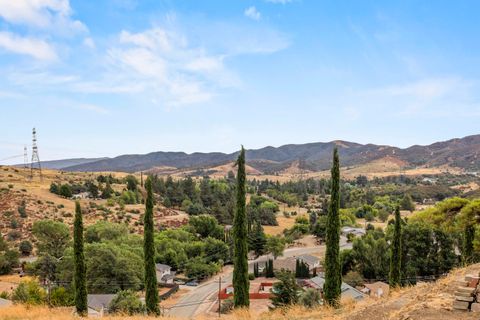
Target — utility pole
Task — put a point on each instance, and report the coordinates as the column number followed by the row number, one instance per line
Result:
column 219, row 299
column 49, row 292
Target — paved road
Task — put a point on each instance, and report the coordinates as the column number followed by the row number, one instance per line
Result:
column 188, row 305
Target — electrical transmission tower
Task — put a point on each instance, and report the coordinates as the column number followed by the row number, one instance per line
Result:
column 25, row 158
column 35, row 158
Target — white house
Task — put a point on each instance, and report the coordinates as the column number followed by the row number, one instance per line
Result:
column 164, row 273
column 355, row 231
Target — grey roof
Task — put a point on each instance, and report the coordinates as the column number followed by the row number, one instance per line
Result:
column 347, row 290
column 168, row 277
column 162, row 267
column 5, row 303
column 99, row 301
column 309, row 259
column 358, row 231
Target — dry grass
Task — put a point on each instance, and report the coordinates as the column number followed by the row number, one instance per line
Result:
column 426, row 301
column 283, row 222
column 20, row 312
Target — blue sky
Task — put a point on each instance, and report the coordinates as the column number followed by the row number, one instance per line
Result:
column 103, row 78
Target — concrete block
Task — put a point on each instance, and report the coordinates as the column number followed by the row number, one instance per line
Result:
column 467, row 299
column 469, row 277
column 463, row 294
column 466, row 290
column 460, row 305
column 475, row 307
column 473, row 282
column 461, row 283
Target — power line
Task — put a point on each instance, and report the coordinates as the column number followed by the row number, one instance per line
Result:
column 12, row 157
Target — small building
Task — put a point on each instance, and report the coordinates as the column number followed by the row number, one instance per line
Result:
column 358, row 232
column 98, row 304
column 168, row 278
column 348, row 292
column 377, row 290
column 164, row 273
column 81, row 195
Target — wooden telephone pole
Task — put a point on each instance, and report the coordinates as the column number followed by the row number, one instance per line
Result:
column 219, row 299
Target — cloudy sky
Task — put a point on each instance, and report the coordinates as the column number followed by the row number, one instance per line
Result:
column 103, row 78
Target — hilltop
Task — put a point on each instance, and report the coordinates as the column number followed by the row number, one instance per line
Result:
column 460, row 154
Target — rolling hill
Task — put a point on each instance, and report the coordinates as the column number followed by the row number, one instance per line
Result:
column 459, row 153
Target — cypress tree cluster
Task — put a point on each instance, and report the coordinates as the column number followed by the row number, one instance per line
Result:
column 269, row 273
column 241, row 284
column 151, row 291
column 301, row 270
column 333, row 270
column 80, row 279
column 256, row 272
column 396, row 252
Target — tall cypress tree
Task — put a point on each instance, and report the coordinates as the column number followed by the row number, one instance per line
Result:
column 468, row 238
column 396, row 251
column 241, row 283
column 80, row 280
column 333, row 270
column 151, row 290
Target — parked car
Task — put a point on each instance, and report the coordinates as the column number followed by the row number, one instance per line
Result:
column 193, row 283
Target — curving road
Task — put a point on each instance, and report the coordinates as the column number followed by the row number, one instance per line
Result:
column 188, row 305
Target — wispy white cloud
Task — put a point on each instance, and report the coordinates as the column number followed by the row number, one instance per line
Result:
column 92, row 108
column 168, row 64
column 164, row 61
column 435, row 96
column 280, row 1
column 252, row 13
column 54, row 15
column 44, row 78
column 88, row 42
column 36, row 48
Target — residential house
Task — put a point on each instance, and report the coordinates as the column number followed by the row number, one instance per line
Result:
column 358, row 232
column 378, row 289
column 98, row 304
column 348, row 292
column 81, row 195
column 164, row 272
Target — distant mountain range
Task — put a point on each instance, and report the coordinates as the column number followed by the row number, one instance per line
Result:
column 460, row 153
